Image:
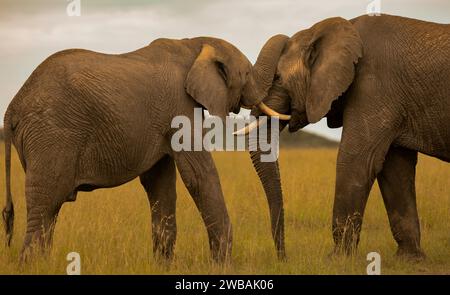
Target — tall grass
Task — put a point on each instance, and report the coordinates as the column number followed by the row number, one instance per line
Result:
column 110, row 228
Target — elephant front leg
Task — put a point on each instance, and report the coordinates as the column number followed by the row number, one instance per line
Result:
column 160, row 184
column 355, row 173
column 200, row 176
column 351, row 195
column 397, row 185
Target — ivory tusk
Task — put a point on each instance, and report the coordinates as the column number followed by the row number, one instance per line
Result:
column 247, row 129
column 268, row 111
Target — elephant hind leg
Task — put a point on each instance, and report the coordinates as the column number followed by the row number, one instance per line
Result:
column 160, row 184
column 42, row 210
column 46, row 190
column 397, row 185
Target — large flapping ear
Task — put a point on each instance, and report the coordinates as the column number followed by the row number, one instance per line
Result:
column 334, row 50
column 207, row 82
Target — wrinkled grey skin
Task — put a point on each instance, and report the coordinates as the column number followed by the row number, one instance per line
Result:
column 386, row 80
column 85, row 120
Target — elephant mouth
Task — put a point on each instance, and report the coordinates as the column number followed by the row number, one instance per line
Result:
column 298, row 121
column 275, row 104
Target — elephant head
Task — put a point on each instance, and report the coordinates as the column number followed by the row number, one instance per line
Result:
column 301, row 75
column 217, row 77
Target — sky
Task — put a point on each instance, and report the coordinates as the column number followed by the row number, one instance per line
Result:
column 31, row 30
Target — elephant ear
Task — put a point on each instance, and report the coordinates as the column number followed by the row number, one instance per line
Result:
column 206, row 82
column 334, row 49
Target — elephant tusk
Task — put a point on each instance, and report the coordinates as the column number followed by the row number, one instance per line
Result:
column 247, row 129
column 270, row 112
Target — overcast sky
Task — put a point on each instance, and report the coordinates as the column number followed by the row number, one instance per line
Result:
column 31, row 30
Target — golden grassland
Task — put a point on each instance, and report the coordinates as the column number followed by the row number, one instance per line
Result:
column 110, row 228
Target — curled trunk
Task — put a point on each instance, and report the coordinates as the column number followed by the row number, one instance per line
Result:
column 263, row 72
column 259, row 83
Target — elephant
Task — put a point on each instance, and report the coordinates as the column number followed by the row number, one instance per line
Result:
column 385, row 80
column 86, row 120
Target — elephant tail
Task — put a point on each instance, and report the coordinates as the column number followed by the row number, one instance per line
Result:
column 8, row 211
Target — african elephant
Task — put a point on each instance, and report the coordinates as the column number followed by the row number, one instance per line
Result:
column 386, row 80
column 85, row 120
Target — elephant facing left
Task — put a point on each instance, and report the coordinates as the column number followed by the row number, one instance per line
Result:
column 85, row 120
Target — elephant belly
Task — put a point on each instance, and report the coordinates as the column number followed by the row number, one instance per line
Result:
column 109, row 161
column 430, row 140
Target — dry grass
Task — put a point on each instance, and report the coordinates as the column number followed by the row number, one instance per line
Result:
column 110, row 228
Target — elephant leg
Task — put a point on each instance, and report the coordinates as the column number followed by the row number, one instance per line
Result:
column 200, row 176
column 43, row 204
column 160, row 184
column 397, row 185
column 358, row 163
column 49, row 183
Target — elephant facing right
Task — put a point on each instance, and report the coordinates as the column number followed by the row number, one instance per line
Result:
column 386, row 81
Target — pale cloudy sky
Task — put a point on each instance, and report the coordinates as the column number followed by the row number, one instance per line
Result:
column 31, row 30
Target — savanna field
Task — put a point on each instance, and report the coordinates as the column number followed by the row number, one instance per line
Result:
column 110, row 228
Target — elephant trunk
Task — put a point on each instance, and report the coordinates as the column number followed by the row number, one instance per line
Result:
column 269, row 175
column 263, row 72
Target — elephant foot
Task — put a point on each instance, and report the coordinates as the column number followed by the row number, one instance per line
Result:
column 33, row 251
column 412, row 255
column 221, row 245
